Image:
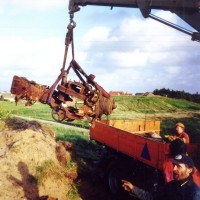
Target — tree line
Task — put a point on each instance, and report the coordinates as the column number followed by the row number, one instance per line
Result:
column 178, row 94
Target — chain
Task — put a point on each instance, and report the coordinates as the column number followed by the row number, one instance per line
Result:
column 68, row 40
column 72, row 26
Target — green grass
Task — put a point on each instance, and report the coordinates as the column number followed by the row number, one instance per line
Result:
column 169, row 111
column 128, row 107
column 142, row 104
column 38, row 110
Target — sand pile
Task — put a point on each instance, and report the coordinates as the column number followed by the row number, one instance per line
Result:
column 33, row 164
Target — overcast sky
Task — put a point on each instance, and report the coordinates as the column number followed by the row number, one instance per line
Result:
column 122, row 49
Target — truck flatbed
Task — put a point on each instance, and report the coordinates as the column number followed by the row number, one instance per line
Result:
column 130, row 138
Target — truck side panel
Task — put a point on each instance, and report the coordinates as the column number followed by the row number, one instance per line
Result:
column 149, row 151
column 134, row 126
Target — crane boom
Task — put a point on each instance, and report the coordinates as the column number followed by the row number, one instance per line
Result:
column 188, row 10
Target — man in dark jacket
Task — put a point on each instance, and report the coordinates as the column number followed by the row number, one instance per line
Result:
column 181, row 188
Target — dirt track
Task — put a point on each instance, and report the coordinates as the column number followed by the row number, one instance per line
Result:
column 53, row 122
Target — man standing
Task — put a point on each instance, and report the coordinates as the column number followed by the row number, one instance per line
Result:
column 182, row 135
column 181, row 188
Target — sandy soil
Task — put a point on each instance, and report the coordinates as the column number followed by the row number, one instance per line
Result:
column 32, row 165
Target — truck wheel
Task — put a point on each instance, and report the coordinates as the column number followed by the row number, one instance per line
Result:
column 116, row 172
column 114, row 180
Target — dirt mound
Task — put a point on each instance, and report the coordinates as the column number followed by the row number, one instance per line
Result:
column 33, row 164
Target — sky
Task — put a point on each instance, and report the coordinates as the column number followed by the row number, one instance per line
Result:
column 125, row 51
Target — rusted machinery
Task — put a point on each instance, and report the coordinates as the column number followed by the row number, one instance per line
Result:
column 25, row 89
column 96, row 101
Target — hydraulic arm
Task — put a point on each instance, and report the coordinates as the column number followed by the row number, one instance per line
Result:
column 188, row 10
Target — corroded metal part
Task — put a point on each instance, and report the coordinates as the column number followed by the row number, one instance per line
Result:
column 96, row 101
column 28, row 90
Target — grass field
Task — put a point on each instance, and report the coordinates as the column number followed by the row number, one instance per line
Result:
column 169, row 111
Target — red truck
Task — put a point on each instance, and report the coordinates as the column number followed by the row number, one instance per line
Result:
column 130, row 152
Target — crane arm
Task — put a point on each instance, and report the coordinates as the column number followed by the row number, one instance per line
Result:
column 188, row 10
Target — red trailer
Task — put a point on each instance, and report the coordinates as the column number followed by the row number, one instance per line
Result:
column 131, row 151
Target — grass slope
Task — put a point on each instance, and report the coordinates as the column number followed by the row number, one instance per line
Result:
column 168, row 110
column 142, row 104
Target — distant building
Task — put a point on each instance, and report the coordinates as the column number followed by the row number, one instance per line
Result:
column 7, row 96
column 119, row 93
column 148, row 94
column 139, row 94
column 116, row 93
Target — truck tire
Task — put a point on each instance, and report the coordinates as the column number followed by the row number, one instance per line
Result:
column 116, row 172
column 133, row 171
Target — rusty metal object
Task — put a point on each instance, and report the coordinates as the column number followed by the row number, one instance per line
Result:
column 28, row 90
column 96, row 101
